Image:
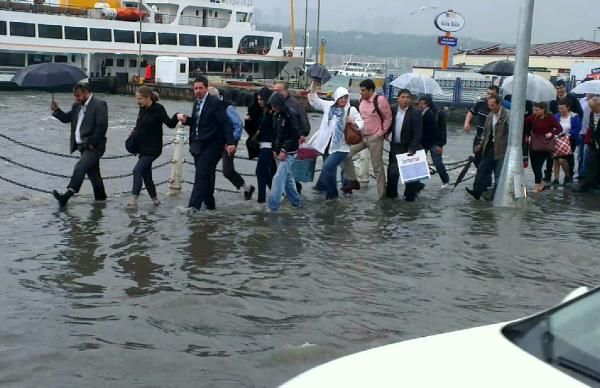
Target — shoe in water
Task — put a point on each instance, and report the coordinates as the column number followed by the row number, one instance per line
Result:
column 248, row 194
column 473, row 193
column 445, row 186
column 555, row 182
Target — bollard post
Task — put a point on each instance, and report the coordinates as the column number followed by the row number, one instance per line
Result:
column 363, row 166
column 177, row 160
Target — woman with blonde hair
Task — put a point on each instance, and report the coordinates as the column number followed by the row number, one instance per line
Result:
column 148, row 134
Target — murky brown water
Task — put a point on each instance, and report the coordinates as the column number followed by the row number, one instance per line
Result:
column 100, row 296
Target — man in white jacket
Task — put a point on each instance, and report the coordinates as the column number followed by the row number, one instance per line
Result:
column 329, row 140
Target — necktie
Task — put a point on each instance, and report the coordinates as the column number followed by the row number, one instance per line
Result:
column 198, row 113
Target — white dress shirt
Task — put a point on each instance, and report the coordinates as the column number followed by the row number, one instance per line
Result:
column 80, row 120
column 399, row 123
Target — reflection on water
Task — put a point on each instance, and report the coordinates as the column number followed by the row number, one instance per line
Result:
column 101, row 295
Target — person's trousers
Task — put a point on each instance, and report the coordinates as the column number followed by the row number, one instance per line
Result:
column 537, row 160
column 411, row 189
column 592, row 167
column 581, row 147
column 229, row 171
column 328, row 179
column 375, row 146
column 476, row 141
column 438, row 162
column 206, row 159
column 549, row 166
column 265, row 169
column 143, row 172
column 88, row 164
column 283, row 182
column 489, row 165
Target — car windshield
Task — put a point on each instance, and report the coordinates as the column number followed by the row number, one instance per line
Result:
column 567, row 337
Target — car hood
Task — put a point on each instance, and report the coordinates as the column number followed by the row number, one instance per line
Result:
column 479, row 357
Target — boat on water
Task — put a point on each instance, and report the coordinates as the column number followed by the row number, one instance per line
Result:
column 121, row 36
column 362, row 70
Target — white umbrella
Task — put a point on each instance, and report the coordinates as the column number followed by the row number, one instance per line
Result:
column 417, row 84
column 538, row 89
column 588, row 87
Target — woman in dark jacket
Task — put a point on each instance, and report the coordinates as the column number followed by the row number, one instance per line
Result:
column 266, row 167
column 148, row 133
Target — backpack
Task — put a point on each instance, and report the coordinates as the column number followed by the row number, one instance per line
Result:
column 377, row 110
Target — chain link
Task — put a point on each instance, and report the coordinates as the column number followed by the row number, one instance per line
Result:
column 25, row 186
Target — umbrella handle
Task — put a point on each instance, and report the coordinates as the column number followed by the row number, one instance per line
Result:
column 52, row 96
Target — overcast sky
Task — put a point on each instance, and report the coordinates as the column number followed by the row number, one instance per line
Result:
column 485, row 19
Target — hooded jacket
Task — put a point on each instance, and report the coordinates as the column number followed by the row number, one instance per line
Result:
column 325, row 135
column 286, row 125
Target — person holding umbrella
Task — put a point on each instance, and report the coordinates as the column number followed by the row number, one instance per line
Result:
column 89, row 122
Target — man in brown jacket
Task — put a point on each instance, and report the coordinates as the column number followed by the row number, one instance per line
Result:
column 493, row 147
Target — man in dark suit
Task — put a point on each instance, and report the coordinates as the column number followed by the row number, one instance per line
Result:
column 406, row 133
column 89, row 121
column 210, row 133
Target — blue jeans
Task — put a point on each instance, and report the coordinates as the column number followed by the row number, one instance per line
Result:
column 438, row 162
column 327, row 180
column 283, row 181
column 488, row 166
column 143, row 171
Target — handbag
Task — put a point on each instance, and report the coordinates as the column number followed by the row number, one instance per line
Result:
column 351, row 134
column 131, row 143
column 542, row 144
column 306, row 152
column 562, row 147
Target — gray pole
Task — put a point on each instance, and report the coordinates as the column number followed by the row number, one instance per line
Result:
column 512, row 180
column 317, row 46
column 305, row 27
column 139, row 59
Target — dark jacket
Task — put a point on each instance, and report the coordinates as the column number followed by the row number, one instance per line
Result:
column 287, row 131
column 575, row 105
column 94, row 126
column 214, row 127
column 434, row 128
column 267, row 132
column 149, row 129
column 294, row 106
column 412, row 129
column 500, row 134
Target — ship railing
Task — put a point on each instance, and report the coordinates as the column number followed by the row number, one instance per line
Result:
column 198, row 21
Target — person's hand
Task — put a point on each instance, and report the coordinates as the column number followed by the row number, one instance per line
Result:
column 281, row 156
column 477, row 148
column 91, row 147
column 302, row 139
column 439, row 150
column 411, row 152
column 54, row 106
column 548, row 135
column 467, row 127
column 231, row 149
column 182, row 118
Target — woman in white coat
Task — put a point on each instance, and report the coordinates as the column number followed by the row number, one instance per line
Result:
column 329, row 139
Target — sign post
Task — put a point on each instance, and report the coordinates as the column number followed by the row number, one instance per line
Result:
column 448, row 22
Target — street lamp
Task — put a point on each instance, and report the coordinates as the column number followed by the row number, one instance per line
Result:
column 596, row 30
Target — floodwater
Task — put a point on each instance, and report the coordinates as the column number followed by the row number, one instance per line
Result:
column 101, row 296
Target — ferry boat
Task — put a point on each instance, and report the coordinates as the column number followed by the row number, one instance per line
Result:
column 123, row 36
column 362, row 70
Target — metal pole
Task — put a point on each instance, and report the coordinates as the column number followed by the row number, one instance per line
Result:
column 139, row 59
column 305, row 28
column 177, row 160
column 293, row 37
column 512, row 180
column 318, row 45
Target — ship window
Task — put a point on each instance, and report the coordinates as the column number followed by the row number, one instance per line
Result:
column 215, row 67
column 144, row 63
column 225, row 41
column 124, row 36
column 241, row 17
column 49, row 31
column 133, row 63
column 76, row 33
column 108, row 62
column 187, row 40
column 147, row 37
column 207, row 41
column 2, row 27
column 33, row 59
column 22, row 29
column 61, row 58
column 100, row 35
column 182, row 68
column 120, row 63
column 167, row 38
column 280, row 44
column 12, row 59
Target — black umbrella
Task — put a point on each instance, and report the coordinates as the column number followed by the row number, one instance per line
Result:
column 319, row 72
column 464, row 171
column 501, row 68
column 48, row 76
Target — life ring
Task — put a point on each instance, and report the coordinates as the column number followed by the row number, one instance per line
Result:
column 263, row 51
column 242, row 51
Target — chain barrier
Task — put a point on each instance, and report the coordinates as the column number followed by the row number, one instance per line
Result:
column 31, row 147
column 25, row 186
column 216, row 188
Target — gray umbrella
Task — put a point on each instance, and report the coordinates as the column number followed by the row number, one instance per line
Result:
column 319, row 72
column 502, row 68
column 48, row 76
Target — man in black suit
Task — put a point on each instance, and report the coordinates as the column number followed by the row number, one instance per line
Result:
column 89, row 121
column 406, row 132
column 210, row 133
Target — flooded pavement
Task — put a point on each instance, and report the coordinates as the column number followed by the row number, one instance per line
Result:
column 99, row 295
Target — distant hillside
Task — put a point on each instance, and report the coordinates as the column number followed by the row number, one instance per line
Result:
column 379, row 45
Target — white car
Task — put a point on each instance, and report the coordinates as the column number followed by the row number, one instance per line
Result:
column 559, row 347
